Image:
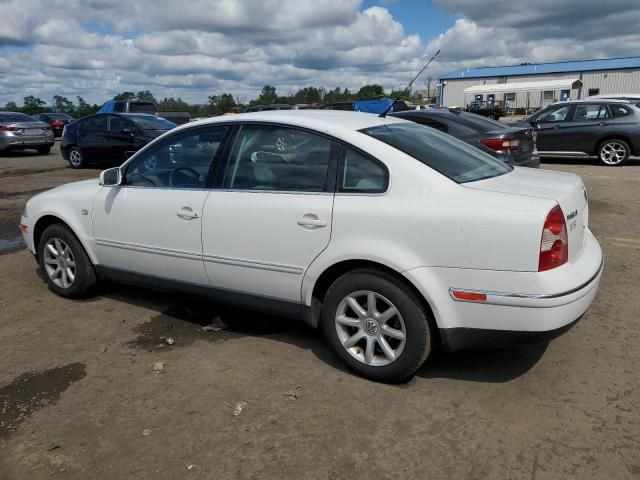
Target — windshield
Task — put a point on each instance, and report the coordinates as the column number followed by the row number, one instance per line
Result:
column 15, row 117
column 58, row 116
column 151, row 122
column 447, row 155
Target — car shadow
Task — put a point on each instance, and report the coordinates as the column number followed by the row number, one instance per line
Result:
column 632, row 162
column 487, row 366
column 187, row 319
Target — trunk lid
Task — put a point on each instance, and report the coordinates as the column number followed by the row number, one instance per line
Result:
column 30, row 128
column 565, row 188
column 526, row 142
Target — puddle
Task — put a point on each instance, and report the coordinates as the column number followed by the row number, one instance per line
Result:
column 210, row 322
column 11, row 244
column 32, row 391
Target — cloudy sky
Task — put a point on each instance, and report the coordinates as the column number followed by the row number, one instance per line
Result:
column 196, row 48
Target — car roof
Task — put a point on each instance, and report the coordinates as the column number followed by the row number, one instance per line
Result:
column 317, row 119
column 594, row 100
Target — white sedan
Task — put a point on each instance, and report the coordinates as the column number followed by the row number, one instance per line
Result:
column 390, row 236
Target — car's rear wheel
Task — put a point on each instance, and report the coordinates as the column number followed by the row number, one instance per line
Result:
column 376, row 325
column 44, row 150
column 76, row 158
column 64, row 263
column 614, row 152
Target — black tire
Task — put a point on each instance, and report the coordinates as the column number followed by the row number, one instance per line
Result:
column 417, row 322
column 76, row 158
column 608, row 158
column 492, row 116
column 44, row 150
column 85, row 276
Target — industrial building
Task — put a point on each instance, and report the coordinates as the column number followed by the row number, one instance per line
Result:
column 526, row 87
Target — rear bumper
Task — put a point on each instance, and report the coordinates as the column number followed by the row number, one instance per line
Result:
column 21, row 143
column 520, row 307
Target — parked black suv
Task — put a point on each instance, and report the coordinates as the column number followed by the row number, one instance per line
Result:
column 607, row 129
column 512, row 145
column 109, row 137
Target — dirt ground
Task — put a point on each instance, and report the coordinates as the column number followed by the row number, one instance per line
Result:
column 79, row 398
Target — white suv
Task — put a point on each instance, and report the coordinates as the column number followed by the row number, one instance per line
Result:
column 390, row 236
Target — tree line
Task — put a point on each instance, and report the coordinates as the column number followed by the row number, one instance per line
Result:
column 216, row 105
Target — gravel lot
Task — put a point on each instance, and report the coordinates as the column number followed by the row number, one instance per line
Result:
column 79, row 398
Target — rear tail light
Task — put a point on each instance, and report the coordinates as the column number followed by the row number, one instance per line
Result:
column 554, row 245
column 8, row 128
column 501, row 145
column 57, row 123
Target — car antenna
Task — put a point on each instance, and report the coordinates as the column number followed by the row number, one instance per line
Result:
column 384, row 114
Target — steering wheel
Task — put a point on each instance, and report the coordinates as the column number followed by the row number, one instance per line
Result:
column 187, row 171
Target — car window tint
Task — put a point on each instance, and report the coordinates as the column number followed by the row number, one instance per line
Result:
column 558, row 114
column 117, row 124
column 98, row 122
column 180, row 161
column 445, row 154
column 430, row 123
column 361, row 174
column 590, row 112
column 619, row 110
column 277, row 158
column 141, row 107
column 478, row 123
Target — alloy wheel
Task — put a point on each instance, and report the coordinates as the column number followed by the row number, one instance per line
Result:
column 75, row 157
column 370, row 328
column 59, row 263
column 613, row 153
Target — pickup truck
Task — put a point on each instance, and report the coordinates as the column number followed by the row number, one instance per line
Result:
column 138, row 106
column 485, row 109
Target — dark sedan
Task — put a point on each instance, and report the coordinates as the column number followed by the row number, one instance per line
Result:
column 57, row 121
column 607, row 129
column 515, row 146
column 109, row 137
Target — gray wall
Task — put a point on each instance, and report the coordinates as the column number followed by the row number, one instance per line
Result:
column 608, row 81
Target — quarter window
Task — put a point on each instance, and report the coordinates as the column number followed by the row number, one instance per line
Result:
column 276, row 158
column 183, row 160
column 619, row 110
column 361, row 174
column 590, row 112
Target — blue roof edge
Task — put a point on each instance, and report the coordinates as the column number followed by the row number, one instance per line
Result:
column 541, row 68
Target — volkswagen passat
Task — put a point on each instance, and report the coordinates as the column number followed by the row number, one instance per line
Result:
column 390, row 236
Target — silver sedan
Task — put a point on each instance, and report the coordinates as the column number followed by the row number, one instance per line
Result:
column 19, row 132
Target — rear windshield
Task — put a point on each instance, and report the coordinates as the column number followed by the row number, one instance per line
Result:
column 151, row 122
column 15, row 117
column 451, row 157
column 479, row 123
column 142, row 107
column 58, row 116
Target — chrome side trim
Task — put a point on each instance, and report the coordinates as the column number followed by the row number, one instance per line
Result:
column 276, row 267
column 564, row 154
column 148, row 249
column 528, row 299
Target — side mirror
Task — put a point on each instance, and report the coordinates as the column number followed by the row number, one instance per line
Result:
column 111, row 177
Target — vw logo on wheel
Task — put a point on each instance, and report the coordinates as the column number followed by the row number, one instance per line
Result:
column 370, row 327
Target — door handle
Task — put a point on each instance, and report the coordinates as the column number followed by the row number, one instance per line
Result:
column 187, row 213
column 311, row 221
column 556, row 127
column 602, row 123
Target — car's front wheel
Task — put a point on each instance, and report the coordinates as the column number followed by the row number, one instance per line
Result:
column 614, row 152
column 376, row 325
column 76, row 158
column 64, row 263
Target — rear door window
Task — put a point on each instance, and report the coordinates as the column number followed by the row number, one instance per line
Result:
column 585, row 113
column 97, row 123
column 360, row 173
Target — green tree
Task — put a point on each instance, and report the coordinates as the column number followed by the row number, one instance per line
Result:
column 11, row 107
column 267, row 95
column 223, row 103
column 83, row 109
column 307, row 95
column 400, row 94
column 125, row 96
column 369, row 92
column 146, row 96
column 33, row 105
column 172, row 105
column 62, row 104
